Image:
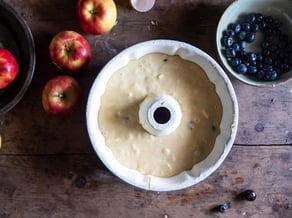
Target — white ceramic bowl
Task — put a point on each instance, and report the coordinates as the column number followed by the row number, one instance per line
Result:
column 280, row 9
column 223, row 142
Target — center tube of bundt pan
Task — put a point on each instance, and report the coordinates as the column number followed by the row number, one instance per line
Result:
column 160, row 115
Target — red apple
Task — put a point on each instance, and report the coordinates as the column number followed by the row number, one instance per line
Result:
column 61, row 95
column 96, row 16
column 70, row 51
column 9, row 68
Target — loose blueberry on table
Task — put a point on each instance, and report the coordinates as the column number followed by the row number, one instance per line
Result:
column 276, row 50
column 249, row 195
column 223, row 207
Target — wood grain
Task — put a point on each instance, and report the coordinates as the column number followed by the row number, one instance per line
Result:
column 47, row 164
column 265, row 115
column 80, row 186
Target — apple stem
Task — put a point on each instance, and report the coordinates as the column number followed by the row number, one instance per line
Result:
column 67, row 48
column 1, row 45
column 94, row 11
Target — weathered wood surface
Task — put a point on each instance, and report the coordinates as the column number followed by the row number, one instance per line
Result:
column 79, row 186
column 44, row 159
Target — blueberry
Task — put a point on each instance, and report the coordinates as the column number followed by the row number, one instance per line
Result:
column 251, row 56
column 255, row 27
column 273, row 48
column 241, row 35
column 250, row 37
column 254, row 63
column 276, row 24
column 230, row 53
column 251, row 18
column 269, row 38
column 236, row 27
column 242, row 69
column 259, row 17
column 80, row 182
column 230, row 32
column 223, row 207
column 246, row 26
column 261, row 74
column 268, row 68
column 284, row 67
column 259, row 65
column 242, row 45
column 268, row 19
column 242, row 54
column 259, row 57
column 235, row 62
column 227, row 41
column 265, row 44
column 271, row 75
column 262, row 25
column 249, row 195
column 267, row 53
column 251, row 69
column 246, row 63
column 235, row 46
column 276, row 32
column 268, row 61
column 268, row 31
column 277, row 69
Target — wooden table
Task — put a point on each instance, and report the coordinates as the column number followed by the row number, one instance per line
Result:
column 49, row 169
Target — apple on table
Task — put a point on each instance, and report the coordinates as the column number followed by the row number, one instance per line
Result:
column 96, row 16
column 70, row 50
column 61, row 95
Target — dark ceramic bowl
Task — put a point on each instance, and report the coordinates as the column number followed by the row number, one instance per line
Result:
column 16, row 36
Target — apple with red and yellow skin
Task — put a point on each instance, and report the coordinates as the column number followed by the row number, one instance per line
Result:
column 70, row 51
column 9, row 68
column 96, row 16
column 61, row 95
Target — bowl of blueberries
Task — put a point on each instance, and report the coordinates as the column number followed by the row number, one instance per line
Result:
column 254, row 41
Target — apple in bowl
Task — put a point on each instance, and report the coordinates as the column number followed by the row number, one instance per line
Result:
column 70, row 51
column 9, row 67
column 61, row 95
column 96, row 16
